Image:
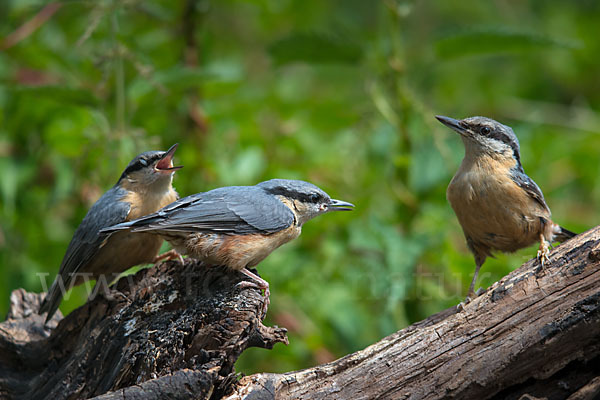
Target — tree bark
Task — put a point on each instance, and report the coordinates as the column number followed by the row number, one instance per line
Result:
column 533, row 335
column 175, row 331
column 171, row 331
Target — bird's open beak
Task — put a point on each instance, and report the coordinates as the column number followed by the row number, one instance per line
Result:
column 166, row 162
column 452, row 123
column 339, row 205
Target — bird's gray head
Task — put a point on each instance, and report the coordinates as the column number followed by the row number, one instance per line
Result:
column 484, row 135
column 150, row 169
column 304, row 199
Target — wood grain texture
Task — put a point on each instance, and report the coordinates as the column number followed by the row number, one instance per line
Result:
column 176, row 331
column 535, row 332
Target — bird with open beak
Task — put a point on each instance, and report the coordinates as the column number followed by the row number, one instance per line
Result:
column 144, row 187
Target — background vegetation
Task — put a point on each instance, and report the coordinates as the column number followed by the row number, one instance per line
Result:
column 341, row 93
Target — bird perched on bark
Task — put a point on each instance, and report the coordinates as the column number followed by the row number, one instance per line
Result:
column 498, row 206
column 237, row 226
column 143, row 188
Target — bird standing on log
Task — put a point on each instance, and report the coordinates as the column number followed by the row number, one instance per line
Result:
column 143, row 188
column 237, row 226
column 498, row 206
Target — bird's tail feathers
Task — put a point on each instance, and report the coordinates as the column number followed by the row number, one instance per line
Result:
column 52, row 300
column 124, row 226
column 139, row 225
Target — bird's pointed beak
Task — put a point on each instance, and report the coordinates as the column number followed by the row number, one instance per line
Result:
column 339, row 205
column 166, row 162
column 452, row 123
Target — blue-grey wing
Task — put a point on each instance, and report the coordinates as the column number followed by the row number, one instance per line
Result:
column 527, row 184
column 151, row 219
column 235, row 209
column 262, row 211
column 108, row 210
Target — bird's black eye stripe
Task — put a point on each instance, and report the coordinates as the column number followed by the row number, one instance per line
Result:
column 499, row 134
column 307, row 198
column 142, row 161
column 136, row 166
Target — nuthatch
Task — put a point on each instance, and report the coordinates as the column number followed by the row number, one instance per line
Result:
column 237, row 226
column 498, row 206
column 143, row 188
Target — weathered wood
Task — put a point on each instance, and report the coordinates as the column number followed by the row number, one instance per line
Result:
column 534, row 334
column 175, row 332
column 170, row 331
column 183, row 385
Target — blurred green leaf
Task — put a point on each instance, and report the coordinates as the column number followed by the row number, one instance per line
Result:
column 426, row 167
column 497, row 40
column 59, row 94
column 9, row 177
column 175, row 79
column 244, row 169
column 383, row 104
column 65, row 132
column 314, row 48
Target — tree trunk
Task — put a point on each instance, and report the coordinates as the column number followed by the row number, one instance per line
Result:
column 175, row 332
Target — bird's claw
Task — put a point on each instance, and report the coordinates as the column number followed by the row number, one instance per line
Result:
column 110, row 295
column 115, row 293
column 542, row 255
column 461, row 306
column 248, row 284
column 167, row 256
column 472, row 295
column 259, row 284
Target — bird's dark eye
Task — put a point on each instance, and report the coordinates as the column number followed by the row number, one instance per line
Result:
column 314, row 198
column 484, row 130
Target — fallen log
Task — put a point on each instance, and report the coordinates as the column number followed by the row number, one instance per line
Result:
column 534, row 334
column 176, row 331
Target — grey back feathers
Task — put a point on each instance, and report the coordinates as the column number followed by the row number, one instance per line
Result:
column 233, row 209
column 527, row 184
column 107, row 211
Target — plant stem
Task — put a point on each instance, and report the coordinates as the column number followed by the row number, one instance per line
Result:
column 119, row 76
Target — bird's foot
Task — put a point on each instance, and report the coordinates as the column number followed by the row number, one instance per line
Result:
column 460, row 307
column 115, row 294
column 108, row 294
column 167, row 256
column 543, row 253
column 257, row 283
column 472, row 295
column 254, row 285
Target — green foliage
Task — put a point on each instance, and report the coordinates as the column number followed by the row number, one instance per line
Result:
column 340, row 93
column 313, row 48
column 494, row 41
